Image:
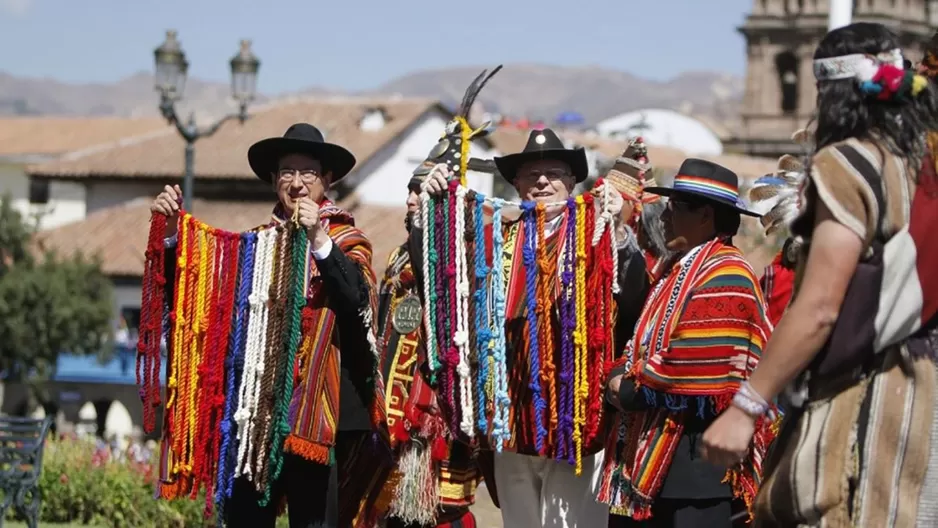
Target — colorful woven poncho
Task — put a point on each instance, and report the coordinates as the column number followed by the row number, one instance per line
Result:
column 253, row 351
column 701, row 333
column 517, row 343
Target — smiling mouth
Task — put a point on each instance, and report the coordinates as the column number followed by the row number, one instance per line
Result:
column 542, row 195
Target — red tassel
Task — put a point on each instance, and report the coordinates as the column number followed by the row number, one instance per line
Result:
column 440, row 449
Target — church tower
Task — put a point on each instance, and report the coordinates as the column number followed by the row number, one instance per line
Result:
column 781, row 36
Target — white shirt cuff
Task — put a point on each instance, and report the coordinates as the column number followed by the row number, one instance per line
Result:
column 323, row 252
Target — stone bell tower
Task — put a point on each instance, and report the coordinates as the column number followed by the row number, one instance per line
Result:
column 781, row 36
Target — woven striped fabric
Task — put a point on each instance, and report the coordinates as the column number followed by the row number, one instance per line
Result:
column 777, row 282
column 314, row 408
column 861, row 450
column 701, row 333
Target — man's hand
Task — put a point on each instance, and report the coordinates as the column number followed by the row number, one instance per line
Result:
column 726, row 442
column 308, row 212
column 168, row 203
column 612, row 391
column 615, row 198
column 438, row 180
column 308, row 216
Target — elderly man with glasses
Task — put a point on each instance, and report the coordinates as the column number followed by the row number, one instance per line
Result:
column 338, row 400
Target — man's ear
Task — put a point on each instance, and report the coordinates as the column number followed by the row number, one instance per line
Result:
column 327, row 176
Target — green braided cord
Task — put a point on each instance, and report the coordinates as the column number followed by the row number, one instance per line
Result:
column 284, row 386
column 433, row 260
column 448, row 336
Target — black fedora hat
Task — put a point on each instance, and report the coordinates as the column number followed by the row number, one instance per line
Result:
column 541, row 145
column 704, row 179
column 301, row 138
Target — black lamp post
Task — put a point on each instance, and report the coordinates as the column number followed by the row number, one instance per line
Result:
column 170, row 82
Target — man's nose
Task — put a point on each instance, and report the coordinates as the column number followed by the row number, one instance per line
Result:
column 297, row 183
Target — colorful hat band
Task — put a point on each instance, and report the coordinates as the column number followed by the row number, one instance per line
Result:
column 719, row 191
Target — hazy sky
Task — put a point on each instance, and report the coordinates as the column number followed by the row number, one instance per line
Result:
column 360, row 44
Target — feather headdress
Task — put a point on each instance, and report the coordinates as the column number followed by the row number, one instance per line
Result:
column 782, row 188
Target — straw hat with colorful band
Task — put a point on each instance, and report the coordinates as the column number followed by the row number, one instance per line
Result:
column 628, row 174
column 706, row 180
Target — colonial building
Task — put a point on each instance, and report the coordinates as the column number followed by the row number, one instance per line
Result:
column 30, row 140
column 781, row 36
column 110, row 189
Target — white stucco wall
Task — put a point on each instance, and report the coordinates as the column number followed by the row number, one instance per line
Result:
column 663, row 128
column 101, row 194
column 66, row 199
column 384, row 177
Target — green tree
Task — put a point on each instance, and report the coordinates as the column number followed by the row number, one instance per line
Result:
column 48, row 304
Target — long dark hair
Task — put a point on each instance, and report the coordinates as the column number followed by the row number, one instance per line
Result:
column 844, row 111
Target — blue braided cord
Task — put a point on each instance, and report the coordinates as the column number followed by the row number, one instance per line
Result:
column 500, row 430
column 483, row 330
column 530, row 270
column 234, row 365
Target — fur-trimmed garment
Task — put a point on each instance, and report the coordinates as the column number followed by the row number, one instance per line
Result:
column 862, row 450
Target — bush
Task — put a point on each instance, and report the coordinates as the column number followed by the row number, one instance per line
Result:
column 82, row 484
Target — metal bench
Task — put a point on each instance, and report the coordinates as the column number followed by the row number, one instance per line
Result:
column 22, row 441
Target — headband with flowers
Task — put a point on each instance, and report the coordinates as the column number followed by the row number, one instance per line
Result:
column 881, row 76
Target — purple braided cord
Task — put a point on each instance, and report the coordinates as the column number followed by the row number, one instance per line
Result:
column 568, row 325
column 530, row 269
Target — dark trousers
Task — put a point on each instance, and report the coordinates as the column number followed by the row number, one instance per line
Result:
column 682, row 513
column 305, row 485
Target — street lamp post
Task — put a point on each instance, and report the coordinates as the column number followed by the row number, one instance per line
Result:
column 170, row 82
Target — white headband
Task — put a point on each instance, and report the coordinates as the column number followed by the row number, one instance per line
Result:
column 858, row 65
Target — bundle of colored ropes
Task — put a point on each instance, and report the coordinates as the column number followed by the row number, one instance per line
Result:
column 232, row 328
column 466, row 315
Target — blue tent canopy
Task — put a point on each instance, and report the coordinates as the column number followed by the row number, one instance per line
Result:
column 569, row 118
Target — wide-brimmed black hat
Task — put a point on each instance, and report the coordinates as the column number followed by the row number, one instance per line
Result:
column 544, row 144
column 301, row 138
column 704, row 179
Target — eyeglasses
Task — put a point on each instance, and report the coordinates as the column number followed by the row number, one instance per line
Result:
column 305, row 175
column 681, row 206
column 552, row 174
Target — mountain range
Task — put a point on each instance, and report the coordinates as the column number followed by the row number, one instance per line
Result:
column 529, row 90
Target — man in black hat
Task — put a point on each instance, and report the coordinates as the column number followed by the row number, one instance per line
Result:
column 700, row 334
column 338, row 398
column 535, row 488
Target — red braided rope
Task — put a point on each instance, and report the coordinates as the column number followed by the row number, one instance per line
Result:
column 213, row 391
column 206, row 344
column 151, row 321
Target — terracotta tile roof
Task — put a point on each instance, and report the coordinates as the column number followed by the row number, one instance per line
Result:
column 510, row 140
column 223, row 155
column 118, row 235
column 23, row 136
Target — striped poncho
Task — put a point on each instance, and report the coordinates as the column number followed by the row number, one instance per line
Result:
column 701, row 333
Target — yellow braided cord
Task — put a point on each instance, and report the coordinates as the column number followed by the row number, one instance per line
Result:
column 195, row 350
column 183, row 241
column 580, row 379
column 179, row 339
column 465, row 132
